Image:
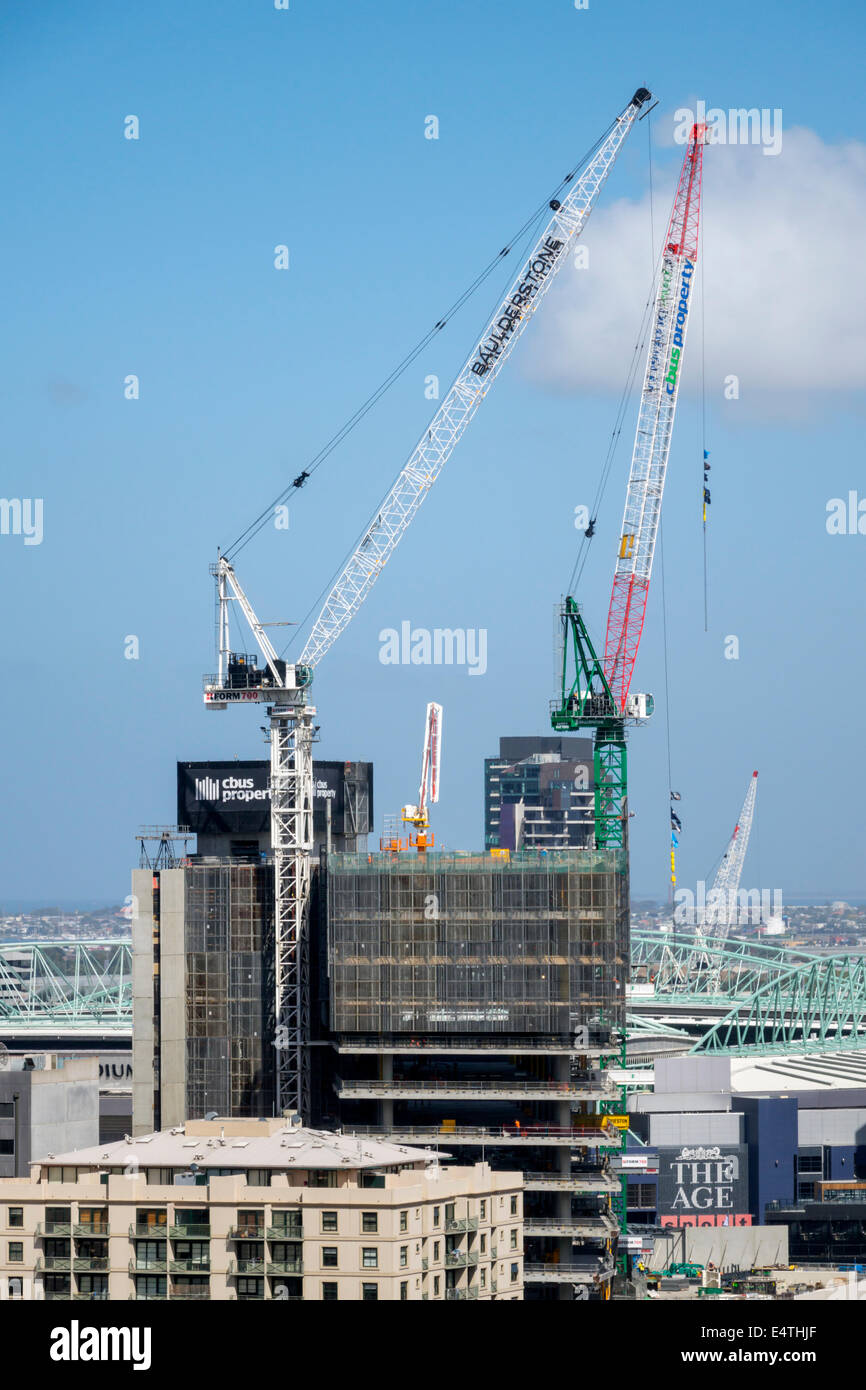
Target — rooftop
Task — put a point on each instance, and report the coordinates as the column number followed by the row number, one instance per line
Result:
column 228, row 1143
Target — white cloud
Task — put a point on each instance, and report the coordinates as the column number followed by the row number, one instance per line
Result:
column 782, row 277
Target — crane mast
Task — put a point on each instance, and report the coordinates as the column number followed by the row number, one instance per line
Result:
column 283, row 686
column 595, row 693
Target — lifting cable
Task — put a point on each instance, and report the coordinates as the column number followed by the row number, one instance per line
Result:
column 318, row 459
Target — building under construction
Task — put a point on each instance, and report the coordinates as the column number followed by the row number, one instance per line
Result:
column 473, row 1000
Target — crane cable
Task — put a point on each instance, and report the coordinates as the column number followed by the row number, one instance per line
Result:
column 329, row 583
column 349, row 425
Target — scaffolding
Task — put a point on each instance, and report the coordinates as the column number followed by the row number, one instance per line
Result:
column 536, row 943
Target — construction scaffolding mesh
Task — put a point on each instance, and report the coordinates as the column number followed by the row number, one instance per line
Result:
column 442, row 943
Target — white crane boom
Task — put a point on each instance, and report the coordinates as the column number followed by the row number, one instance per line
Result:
column 468, row 391
column 721, row 910
column 431, row 761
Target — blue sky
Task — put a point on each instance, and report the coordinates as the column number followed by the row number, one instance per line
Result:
column 306, row 128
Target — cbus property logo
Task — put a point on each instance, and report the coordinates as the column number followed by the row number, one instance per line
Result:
column 229, row 789
column 77, row 1343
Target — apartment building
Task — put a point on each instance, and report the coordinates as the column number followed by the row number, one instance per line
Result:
column 260, row 1209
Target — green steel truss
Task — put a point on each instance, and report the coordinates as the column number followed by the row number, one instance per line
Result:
column 684, row 965
column 816, row 1005
column 586, row 702
column 69, row 984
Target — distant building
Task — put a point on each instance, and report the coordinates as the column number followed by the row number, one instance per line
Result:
column 46, row 1104
column 260, row 1209
column 538, row 794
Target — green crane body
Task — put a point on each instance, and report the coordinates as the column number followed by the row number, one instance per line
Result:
column 586, row 702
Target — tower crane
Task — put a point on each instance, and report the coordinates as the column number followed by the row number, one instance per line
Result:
column 284, row 686
column 431, row 761
column 595, row 694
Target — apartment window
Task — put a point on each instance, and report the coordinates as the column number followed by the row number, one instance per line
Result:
column 436, row 1286
column 369, row 1221
column 330, row 1293
column 16, row 1252
column 250, row 1221
column 16, row 1216
column 436, row 1249
column 484, row 1278
column 15, row 1286
column 258, row 1177
column 155, row 1218
column 329, row 1221
column 290, row 1224
column 515, row 1269
column 149, row 1254
column 514, row 1206
column 449, row 1211
column 192, row 1252
column 483, row 1209
column 404, row 1292
column 483, row 1244
column 95, row 1218
column 369, row 1293
column 7, row 1146
column 329, row 1257
column 96, row 1285
column 514, row 1239
column 150, row 1286
column 404, row 1256
column 249, row 1288
column 7, row 1109
column 435, row 1216
column 323, row 1177
column 404, row 1220
column 57, row 1216
column 370, row 1257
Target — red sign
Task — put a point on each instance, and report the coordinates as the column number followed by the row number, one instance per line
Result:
column 733, row 1218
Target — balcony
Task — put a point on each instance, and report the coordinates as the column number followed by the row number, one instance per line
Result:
column 189, row 1267
column 190, row 1295
column 191, row 1232
column 145, row 1232
column 461, row 1295
column 504, row 1088
column 60, row 1264
column 52, row 1228
column 425, row 1264
column 52, row 1295
column 96, row 1296
column 293, row 1232
column 465, row 1223
column 97, row 1230
column 505, row 1044
column 599, row 1227
column 237, row 1267
column 285, row 1266
column 566, row 1273
column 246, row 1233
column 554, row 1135
column 148, row 1267
column 460, row 1258
column 90, row 1264
column 569, row 1182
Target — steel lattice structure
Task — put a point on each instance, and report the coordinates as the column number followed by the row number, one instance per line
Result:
column 691, row 967
column 819, row 1005
column 70, row 984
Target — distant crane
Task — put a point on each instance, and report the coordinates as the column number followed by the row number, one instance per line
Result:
column 431, row 761
column 284, row 686
column 720, row 914
column 595, row 694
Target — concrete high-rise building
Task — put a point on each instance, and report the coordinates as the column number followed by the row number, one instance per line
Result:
column 538, row 794
column 470, row 1001
column 260, row 1209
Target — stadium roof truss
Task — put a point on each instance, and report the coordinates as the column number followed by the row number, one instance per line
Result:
column 65, row 983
